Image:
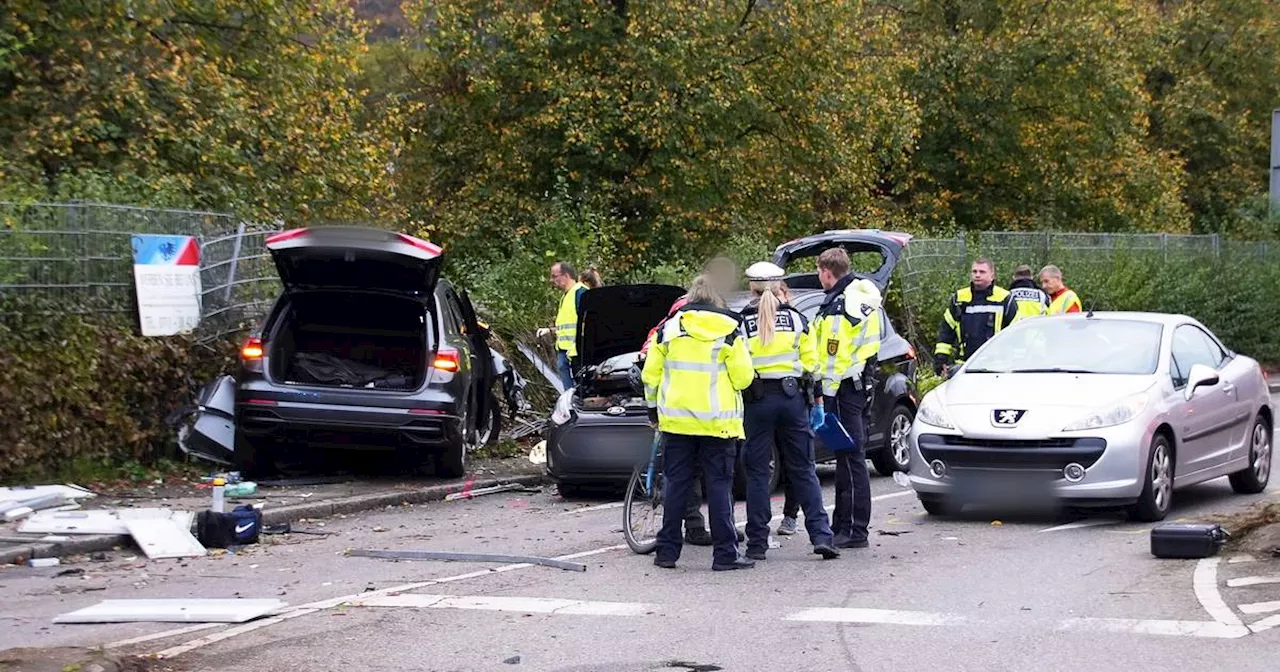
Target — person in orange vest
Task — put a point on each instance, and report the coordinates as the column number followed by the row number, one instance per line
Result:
column 1061, row 298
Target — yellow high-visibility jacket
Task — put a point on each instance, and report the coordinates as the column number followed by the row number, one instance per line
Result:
column 790, row 353
column 848, row 332
column 567, row 320
column 695, row 372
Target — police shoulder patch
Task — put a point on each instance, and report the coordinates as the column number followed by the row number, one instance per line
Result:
column 833, row 346
column 866, row 310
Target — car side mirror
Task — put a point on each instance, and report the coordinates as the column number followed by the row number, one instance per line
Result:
column 1200, row 376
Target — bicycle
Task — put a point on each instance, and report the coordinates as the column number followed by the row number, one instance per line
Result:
column 644, row 489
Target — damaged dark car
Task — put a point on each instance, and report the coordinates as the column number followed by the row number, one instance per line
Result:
column 367, row 348
column 600, row 428
column 599, row 431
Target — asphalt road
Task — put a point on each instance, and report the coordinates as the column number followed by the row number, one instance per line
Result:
column 968, row 593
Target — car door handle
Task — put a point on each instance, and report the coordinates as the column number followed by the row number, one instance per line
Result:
column 1228, row 388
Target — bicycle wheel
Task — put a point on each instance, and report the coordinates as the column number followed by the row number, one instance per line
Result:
column 642, row 511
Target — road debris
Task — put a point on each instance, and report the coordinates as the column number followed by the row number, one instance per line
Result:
column 164, row 538
column 892, row 533
column 467, row 493
column 43, row 562
column 74, row 571
column 98, row 521
column 468, row 557
column 173, row 611
column 538, row 455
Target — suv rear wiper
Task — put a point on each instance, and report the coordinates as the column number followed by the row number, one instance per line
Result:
column 982, row 371
column 1053, row 369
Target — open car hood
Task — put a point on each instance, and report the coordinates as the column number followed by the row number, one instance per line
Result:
column 615, row 319
column 335, row 257
column 857, row 242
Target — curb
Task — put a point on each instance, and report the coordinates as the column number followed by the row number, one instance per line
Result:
column 273, row 516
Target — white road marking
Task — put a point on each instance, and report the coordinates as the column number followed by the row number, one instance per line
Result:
column 597, row 507
column 1205, row 584
column 526, row 605
column 1266, row 624
column 304, row 609
column 162, row 635
column 313, row 607
column 1237, row 559
column 1212, row 629
column 883, row 616
column 1092, row 522
column 1252, row 581
column 1260, row 607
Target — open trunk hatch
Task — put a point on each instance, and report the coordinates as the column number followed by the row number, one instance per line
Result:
column 352, row 339
column 334, row 257
column 873, row 254
column 614, row 320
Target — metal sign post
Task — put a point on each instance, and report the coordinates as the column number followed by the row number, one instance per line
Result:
column 1274, row 209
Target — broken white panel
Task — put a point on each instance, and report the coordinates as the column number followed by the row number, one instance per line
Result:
column 172, row 611
column 21, row 492
column 99, row 521
column 164, row 538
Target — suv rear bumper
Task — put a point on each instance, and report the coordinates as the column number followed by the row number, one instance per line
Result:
column 348, row 427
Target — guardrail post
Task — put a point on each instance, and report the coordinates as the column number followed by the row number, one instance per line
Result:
column 235, row 259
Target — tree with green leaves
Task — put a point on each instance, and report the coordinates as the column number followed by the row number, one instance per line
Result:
column 679, row 123
column 1034, row 116
column 238, row 104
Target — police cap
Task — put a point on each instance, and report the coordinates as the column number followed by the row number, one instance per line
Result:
column 764, row 271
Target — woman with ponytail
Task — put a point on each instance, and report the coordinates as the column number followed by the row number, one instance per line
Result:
column 777, row 408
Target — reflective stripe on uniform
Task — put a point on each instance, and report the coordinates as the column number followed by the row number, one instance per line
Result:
column 703, row 416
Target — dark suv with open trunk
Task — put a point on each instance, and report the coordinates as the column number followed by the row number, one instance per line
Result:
column 367, row 348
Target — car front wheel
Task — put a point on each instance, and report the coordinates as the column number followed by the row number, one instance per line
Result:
column 1157, row 491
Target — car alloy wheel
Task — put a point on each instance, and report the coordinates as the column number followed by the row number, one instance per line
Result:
column 1260, row 451
column 1161, row 477
column 899, row 434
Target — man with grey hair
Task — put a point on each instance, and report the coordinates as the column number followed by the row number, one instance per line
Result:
column 1061, row 299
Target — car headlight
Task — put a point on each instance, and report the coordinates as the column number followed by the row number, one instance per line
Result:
column 564, row 408
column 1115, row 413
column 931, row 413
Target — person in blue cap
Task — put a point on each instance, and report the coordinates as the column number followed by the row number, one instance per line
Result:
column 785, row 361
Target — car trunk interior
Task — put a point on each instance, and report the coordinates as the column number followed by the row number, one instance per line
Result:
column 352, row 339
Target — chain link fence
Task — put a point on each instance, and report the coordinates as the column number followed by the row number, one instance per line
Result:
column 78, row 258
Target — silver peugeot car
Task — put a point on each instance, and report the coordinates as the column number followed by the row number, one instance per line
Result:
column 1098, row 409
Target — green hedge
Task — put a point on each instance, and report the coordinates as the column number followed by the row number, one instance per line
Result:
column 86, row 390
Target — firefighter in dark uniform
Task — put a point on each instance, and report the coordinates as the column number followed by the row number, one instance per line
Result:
column 778, row 406
column 974, row 314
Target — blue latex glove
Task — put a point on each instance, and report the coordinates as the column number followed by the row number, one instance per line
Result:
column 816, row 416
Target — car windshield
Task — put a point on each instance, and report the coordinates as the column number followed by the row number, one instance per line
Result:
column 1056, row 345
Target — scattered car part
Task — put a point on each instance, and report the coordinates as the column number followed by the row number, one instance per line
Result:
column 504, row 487
column 212, row 434
column 468, row 557
column 546, row 370
column 186, row 610
column 1187, row 540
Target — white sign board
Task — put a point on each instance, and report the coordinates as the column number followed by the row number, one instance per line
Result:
column 166, row 272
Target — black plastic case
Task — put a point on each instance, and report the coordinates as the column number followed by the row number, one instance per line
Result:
column 1187, row 540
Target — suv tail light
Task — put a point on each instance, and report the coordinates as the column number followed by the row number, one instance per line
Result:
column 911, row 352
column 251, row 354
column 446, row 359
